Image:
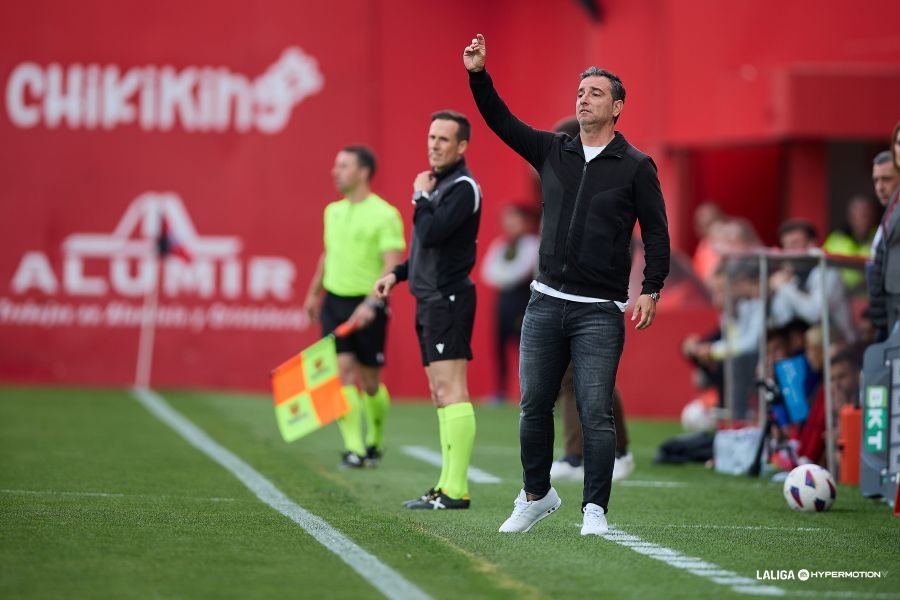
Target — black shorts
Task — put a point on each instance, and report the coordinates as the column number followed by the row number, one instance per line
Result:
column 444, row 326
column 367, row 345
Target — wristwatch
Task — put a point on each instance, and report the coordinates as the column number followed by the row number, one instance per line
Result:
column 654, row 296
column 421, row 196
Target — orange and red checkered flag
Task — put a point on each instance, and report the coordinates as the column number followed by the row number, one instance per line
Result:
column 307, row 388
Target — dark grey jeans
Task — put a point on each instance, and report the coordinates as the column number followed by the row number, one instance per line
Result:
column 554, row 332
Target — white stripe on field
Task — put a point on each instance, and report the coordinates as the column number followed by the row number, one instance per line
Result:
column 716, row 574
column 751, row 527
column 110, row 495
column 380, row 576
column 696, row 566
column 855, row 595
column 650, row 484
column 434, row 458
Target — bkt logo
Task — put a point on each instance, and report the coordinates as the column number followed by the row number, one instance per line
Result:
column 201, row 99
column 128, row 257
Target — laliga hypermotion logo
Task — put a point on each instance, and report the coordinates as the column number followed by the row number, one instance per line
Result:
column 200, row 99
column 125, row 262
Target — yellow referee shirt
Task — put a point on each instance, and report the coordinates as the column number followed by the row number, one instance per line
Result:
column 356, row 237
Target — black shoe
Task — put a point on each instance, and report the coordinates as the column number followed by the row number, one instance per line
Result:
column 349, row 460
column 431, row 494
column 440, row 502
column 373, row 455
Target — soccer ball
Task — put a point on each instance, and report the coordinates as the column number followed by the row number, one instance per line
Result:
column 809, row 488
column 697, row 416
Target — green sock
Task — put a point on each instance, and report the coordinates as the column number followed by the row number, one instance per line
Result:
column 460, row 424
column 377, row 407
column 445, row 455
column 351, row 423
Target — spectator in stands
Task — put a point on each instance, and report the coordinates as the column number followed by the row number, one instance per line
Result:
column 845, row 378
column 509, row 267
column 854, row 238
column 884, row 283
column 706, row 258
column 738, row 337
column 777, row 348
column 800, row 287
column 730, row 235
column 884, row 175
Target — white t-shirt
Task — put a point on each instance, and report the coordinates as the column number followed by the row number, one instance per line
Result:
column 591, row 152
column 537, row 286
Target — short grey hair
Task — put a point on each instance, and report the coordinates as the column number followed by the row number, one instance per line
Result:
column 882, row 157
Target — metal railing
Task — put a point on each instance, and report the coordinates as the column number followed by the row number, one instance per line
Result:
column 762, row 260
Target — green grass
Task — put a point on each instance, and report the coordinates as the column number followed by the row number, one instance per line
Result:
column 99, row 499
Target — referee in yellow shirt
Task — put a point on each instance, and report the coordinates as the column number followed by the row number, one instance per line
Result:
column 363, row 241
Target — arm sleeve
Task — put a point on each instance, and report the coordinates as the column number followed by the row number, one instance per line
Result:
column 390, row 237
column 436, row 222
column 401, row 271
column 651, row 213
column 532, row 144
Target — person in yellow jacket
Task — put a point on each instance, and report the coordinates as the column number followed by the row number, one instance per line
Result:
column 854, row 238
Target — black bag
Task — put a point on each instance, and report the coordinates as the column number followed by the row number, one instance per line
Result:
column 685, row 448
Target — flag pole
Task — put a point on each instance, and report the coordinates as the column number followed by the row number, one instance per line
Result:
column 148, row 322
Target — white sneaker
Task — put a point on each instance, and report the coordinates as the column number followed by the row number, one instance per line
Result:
column 561, row 470
column 594, row 521
column 623, row 467
column 525, row 514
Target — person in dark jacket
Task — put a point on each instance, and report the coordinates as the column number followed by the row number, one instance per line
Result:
column 595, row 187
column 442, row 254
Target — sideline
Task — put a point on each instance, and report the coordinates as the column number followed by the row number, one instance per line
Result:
column 434, row 458
column 380, row 576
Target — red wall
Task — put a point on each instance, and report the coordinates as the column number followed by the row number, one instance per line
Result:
column 697, row 74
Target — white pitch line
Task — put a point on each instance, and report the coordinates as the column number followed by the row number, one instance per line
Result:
column 434, row 458
column 650, row 484
column 716, row 574
column 750, row 527
column 855, row 595
column 695, row 566
column 111, row 495
column 380, row 576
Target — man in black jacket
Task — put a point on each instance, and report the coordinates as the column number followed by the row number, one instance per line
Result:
column 595, row 187
column 441, row 256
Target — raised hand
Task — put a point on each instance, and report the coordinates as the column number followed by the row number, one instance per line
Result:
column 475, row 54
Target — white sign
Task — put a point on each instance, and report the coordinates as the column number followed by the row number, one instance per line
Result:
column 159, row 98
column 105, row 277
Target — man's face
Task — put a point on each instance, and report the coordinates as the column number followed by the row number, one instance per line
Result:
column 861, row 217
column 897, row 151
column 844, row 383
column 444, row 147
column 346, row 172
column 594, row 106
column 796, row 240
column 885, row 179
